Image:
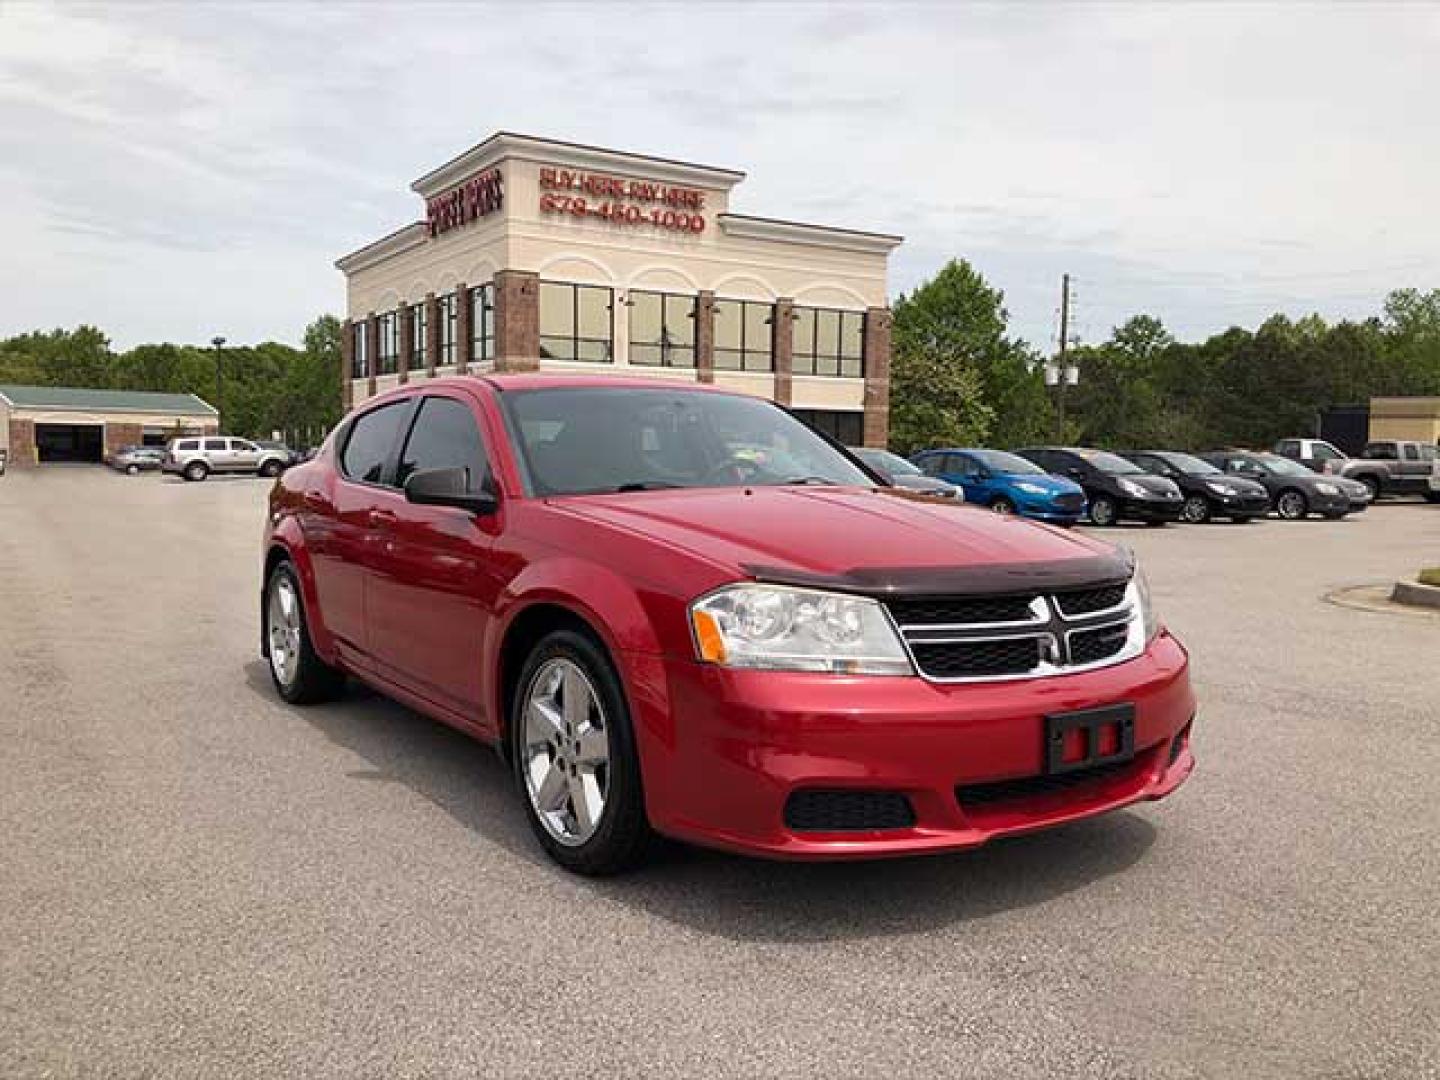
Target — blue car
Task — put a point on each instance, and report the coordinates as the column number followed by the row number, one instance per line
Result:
column 1006, row 483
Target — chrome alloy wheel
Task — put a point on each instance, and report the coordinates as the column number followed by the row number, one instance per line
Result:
column 566, row 751
column 282, row 617
column 1196, row 510
column 1291, row 505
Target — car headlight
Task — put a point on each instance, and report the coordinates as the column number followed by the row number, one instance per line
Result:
column 1132, row 488
column 777, row 628
column 1220, row 489
column 1327, row 489
column 1029, row 488
column 1139, row 590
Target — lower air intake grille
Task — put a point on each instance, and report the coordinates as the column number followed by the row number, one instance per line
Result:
column 1030, row 787
column 977, row 659
column 815, row 810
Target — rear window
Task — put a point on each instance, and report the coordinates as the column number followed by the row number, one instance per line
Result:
column 371, row 438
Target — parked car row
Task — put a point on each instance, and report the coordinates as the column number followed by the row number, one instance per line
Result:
column 1064, row 484
column 1385, row 467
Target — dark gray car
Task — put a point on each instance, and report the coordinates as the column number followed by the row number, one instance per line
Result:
column 1295, row 491
column 902, row 473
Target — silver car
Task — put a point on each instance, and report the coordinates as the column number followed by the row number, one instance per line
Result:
column 196, row 458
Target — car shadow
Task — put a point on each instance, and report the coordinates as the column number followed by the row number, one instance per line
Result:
column 725, row 895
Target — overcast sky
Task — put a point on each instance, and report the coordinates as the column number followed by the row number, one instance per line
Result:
column 177, row 171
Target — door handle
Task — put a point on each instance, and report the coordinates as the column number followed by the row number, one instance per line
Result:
column 382, row 517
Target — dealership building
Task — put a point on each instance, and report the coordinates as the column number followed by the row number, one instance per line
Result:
column 535, row 254
column 45, row 424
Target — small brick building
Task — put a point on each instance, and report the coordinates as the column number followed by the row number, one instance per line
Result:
column 43, row 424
column 542, row 255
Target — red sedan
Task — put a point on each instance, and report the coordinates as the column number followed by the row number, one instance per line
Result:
column 679, row 611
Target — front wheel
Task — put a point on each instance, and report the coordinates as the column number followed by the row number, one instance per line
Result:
column 270, row 470
column 196, row 470
column 1002, row 505
column 1196, row 510
column 300, row 676
column 1103, row 510
column 1291, row 505
column 575, row 758
column 1372, row 485
column 132, row 470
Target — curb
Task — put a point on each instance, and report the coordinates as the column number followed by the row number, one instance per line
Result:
column 1415, row 594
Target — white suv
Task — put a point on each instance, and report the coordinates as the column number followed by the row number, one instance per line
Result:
column 197, row 458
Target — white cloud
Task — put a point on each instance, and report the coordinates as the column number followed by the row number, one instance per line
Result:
column 174, row 171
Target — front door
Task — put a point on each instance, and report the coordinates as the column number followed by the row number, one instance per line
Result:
column 434, row 585
column 244, row 455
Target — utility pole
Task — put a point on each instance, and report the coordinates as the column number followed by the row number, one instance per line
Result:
column 1063, row 368
column 219, row 343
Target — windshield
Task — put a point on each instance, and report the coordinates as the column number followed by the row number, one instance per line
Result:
column 1283, row 466
column 1190, row 466
column 893, row 464
column 1110, row 463
column 586, row 440
column 997, row 461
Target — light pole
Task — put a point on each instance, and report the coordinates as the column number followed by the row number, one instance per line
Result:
column 219, row 343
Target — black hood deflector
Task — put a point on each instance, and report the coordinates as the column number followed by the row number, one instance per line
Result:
column 994, row 579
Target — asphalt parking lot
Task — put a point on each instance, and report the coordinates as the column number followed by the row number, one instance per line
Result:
column 198, row 881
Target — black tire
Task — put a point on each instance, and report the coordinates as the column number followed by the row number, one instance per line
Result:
column 622, row 838
column 314, row 680
column 1196, row 510
column 132, row 470
column 1292, row 505
column 1336, row 515
column 1002, row 505
column 1103, row 510
column 1372, row 485
column 1432, row 496
column 196, row 471
column 270, row 470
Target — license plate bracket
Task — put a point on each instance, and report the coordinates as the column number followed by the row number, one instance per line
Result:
column 1106, row 736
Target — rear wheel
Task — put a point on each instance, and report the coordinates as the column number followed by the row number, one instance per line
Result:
column 1196, row 510
column 1103, row 510
column 300, row 676
column 132, row 470
column 196, row 470
column 1372, row 485
column 1291, row 505
column 575, row 759
column 1002, row 505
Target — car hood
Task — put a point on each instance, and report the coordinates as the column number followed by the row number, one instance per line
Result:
column 862, row 540
column 922, row 483
column 1053, row 485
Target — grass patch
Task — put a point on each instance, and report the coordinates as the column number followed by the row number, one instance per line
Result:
column 1429, row 577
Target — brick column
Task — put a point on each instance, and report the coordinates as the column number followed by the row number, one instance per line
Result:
column 782, row 338
column 372, row 350
column 517, row 321
column 347, row 365
column 705, row 336
column 877, row 376
column 463, row 338
column 22, row 443
column 432, row 333
column 118, row 435
column 407, row 341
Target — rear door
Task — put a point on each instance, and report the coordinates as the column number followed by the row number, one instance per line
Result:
column 344, row 555
column 1414, row 471
column 435, row 585
column 216, row 453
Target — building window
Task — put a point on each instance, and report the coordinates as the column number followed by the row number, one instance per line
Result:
column 662, row 329
column 360, row 364
column 828, row 342
column 418, row 356
column 742, row 336
column 482, row 323
column 449, row 310
column 576, row 322
column 387, row 361
column 847, row 428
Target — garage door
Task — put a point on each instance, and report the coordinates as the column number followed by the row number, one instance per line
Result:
column 70, row 442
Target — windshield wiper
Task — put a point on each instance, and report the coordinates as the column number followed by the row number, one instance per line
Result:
column 645, row 485
column 825, row 480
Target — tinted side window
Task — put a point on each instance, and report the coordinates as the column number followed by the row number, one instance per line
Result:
column 1412, row 453
column 371, row 438
column 188, row 444
column 214, row 444
column 930, row 464
column 444, row 435
column 960, row 465
column 1380, row 451
column 1289, row 448
column 242, row 445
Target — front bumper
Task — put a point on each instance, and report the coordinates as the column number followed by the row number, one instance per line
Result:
column 1150, row 509
column 723, row 757
column 1241, row 505
column 1042, row 508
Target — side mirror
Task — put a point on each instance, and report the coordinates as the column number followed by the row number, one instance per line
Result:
column 449, row 487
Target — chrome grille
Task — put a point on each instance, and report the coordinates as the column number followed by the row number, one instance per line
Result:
column 970, row 639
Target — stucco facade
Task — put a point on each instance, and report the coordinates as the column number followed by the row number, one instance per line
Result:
column 522, row 220
column 1415, row 419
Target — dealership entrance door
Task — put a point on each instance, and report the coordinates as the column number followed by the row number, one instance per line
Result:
column 69, row 442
